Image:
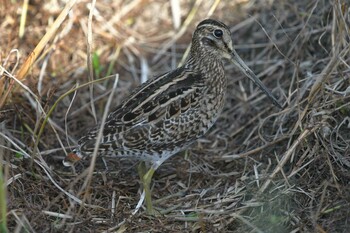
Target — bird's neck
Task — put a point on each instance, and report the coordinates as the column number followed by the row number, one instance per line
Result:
column 210, row 69
column 201, row 59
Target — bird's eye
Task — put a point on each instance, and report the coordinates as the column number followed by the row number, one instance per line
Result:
column 218, row 33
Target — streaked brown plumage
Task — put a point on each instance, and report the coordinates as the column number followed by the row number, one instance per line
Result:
column 166, row 114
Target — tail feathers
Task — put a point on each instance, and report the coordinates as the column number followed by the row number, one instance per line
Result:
column 72, row 158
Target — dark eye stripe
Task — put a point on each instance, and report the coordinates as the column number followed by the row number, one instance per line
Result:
column 208, row 41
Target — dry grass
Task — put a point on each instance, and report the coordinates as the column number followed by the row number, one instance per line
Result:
column 258, row 170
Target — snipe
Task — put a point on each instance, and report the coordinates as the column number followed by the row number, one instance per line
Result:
column 168, row 113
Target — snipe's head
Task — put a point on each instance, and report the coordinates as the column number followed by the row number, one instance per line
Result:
column 213, row 38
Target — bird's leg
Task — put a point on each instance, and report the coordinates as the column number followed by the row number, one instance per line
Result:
column 141, row 169
column 146, row 178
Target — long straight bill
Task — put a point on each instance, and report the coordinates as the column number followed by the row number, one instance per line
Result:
column 249, row 73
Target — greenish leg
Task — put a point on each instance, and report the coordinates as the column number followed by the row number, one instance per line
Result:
column 141, row 169
column 146, row 179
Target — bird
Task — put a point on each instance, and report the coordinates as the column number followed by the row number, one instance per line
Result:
column 168, row 113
